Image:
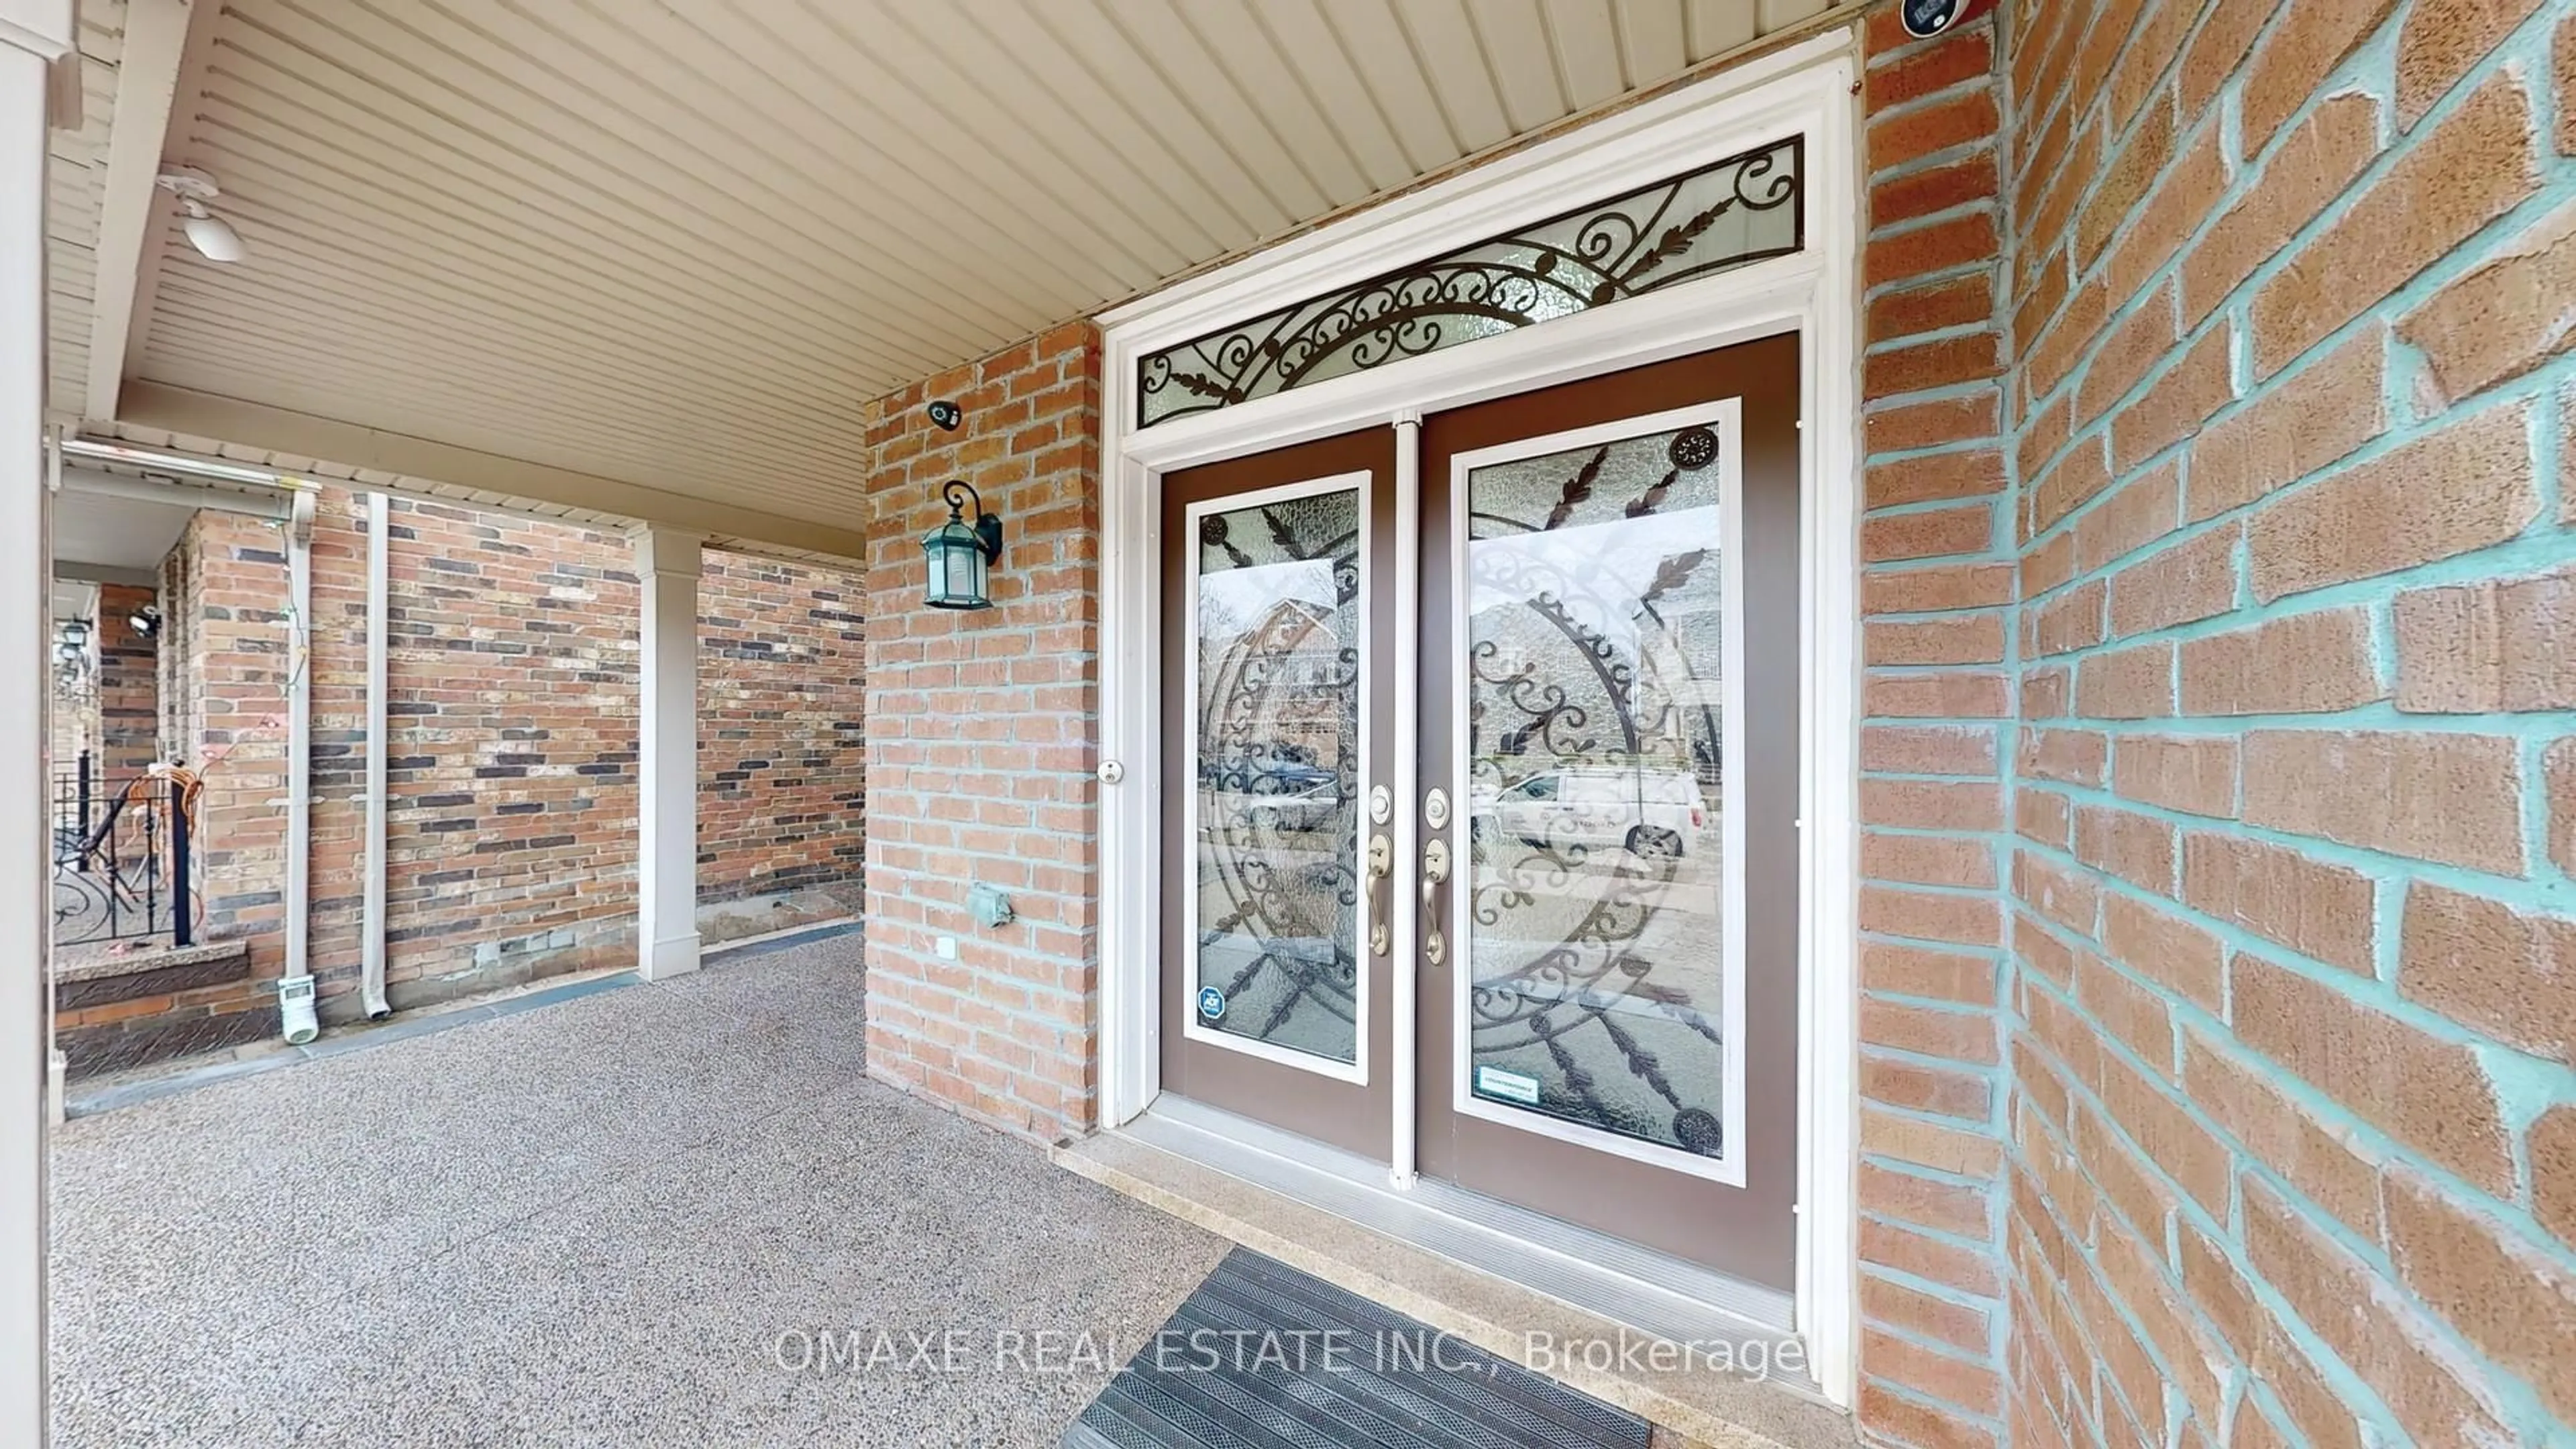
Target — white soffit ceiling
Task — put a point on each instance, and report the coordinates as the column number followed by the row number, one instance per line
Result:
column 125, row 533
column 681, row 243
column 73, row 600
column 75, row 179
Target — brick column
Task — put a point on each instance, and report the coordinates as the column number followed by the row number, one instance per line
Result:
column 1936, row 589
column 129, row 692
column 668, row 564
column 982, row 733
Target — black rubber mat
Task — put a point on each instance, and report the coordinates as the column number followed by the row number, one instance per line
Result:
column 1262, row 1356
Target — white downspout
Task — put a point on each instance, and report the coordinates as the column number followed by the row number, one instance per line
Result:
column 57, row 1066
column 371, row 945
column 295, row 993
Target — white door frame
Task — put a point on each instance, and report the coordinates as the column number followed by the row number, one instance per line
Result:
column 1805, row 88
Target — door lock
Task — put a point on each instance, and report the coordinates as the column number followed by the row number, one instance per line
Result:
column 1435, row 874
column 1381, row 864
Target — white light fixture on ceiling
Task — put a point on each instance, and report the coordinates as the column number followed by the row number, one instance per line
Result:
column 212, row 236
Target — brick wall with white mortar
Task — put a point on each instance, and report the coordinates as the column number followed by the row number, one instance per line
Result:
column 2294, row 1126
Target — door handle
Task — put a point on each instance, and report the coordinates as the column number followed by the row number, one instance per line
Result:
column 1381, row 864
column 1435, row 874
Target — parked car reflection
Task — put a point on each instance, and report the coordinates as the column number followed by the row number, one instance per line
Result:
column 1287, row 791
column 1650, row 810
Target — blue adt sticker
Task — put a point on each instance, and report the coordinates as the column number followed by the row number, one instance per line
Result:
column 1211, row 1002
column 1928, row 17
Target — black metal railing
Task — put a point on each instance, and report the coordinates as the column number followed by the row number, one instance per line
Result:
column 121, row 857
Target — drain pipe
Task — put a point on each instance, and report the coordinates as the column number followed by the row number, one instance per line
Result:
column 371, row 982
column 57, row 1065
column 296, row 1020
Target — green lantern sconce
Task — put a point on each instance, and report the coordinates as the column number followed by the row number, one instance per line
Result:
column 959, row 553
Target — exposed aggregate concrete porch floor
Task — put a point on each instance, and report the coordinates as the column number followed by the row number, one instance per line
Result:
column 606, row 1222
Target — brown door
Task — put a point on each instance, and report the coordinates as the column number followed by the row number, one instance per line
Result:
column 1275, row 641
column 1610, row 693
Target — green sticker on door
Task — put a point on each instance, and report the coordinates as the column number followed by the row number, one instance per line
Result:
column 1506, row 1086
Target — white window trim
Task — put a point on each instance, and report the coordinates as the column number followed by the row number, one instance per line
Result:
column 1805, row 87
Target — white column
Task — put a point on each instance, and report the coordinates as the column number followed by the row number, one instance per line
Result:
column 32, row 34
column 667, row 817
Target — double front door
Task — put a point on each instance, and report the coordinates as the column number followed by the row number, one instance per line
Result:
column 1504, row 749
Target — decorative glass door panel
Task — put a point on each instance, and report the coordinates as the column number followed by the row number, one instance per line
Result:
column 1275, row 687
column 1275, row 641
column 1611, row 660
column 1598, row 997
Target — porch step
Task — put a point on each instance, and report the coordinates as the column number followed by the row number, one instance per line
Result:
column 1693, row 1405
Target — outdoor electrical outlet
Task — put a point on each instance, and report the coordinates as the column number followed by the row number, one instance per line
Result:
column 988, row 906
column 945, row 947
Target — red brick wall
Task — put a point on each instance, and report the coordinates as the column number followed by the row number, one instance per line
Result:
column 226, row 667
column 782, row 743
column 2294, row 1130
column 129, row 694
column 512, row 728
column 1937, row 649
column 981, row 743
column 180, row 645
column 117, row 721
column 510, row 839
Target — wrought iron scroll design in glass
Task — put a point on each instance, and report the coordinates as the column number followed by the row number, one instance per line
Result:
column 1279, row 618
column 1747, row 207
column 1595, row 983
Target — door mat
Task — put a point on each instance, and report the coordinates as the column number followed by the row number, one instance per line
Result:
column 1262, row 1356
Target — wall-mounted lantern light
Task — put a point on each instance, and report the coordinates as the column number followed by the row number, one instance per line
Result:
column 73, row 678
column 959, row 552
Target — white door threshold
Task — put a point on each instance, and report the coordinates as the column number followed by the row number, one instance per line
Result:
column 1703, row 1355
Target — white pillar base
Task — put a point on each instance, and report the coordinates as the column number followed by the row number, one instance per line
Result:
column 666, row 835
column 671, row 956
